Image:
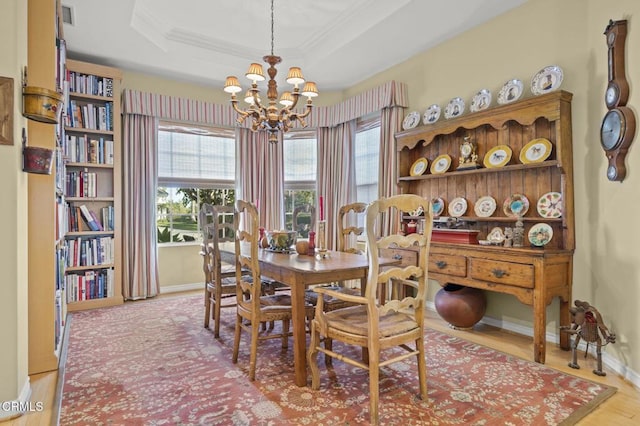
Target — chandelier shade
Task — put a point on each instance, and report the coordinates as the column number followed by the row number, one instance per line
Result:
column 271, row 118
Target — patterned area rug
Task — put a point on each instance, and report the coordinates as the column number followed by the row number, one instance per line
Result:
column 152, row 363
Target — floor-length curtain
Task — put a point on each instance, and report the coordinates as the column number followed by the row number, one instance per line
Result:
column 139, row 247
column 260, row 175
column 390, row 123
column 336, row 173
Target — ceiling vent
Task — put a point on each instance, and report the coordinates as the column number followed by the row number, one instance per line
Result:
column 67, row 15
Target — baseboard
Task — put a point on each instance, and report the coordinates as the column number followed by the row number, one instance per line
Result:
column 20, row 406
column 608, row 361
column 181, row 287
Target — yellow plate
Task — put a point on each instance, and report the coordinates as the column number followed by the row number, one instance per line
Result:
column 441, row 164
column 419, row 167
column 536, row 151
column 497, row 156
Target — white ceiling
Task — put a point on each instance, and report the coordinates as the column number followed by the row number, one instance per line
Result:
column 337, row 43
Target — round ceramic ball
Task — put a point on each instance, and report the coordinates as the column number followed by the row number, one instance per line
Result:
column 302, row 246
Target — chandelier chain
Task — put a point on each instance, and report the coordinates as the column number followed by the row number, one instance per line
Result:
column 271, row 27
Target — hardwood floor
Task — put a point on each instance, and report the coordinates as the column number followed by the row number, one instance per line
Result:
column 621, row 409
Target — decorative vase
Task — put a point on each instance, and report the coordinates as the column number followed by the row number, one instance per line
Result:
column 462, row 307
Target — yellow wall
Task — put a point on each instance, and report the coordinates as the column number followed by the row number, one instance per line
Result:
column 517, row 45
column 13, row 187
column 179, row 264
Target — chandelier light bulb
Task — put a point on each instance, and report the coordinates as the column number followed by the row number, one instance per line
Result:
column 310, row 90
column 286, row 99
column 255, row 73
column 295, row 76
column 232, row 85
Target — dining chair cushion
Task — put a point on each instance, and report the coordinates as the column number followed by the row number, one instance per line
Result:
column 330, row 302
column 354, row 320
column 228, row 285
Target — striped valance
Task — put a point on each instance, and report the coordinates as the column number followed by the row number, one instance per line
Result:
column 174, row 108
column 387, row 95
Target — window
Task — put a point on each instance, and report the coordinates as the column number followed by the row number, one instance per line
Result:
column 195, row 165
column 367, row 156
column 300, row 168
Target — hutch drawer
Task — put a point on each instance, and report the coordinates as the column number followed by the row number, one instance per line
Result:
column 450, row 265
column 502, row 272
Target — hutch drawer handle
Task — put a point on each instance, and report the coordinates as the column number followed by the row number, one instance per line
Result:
column 498, row 273
column 397, row 256
column 441, row 264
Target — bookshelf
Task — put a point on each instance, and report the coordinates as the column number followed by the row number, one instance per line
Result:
column 45, row 60
column 91, row 149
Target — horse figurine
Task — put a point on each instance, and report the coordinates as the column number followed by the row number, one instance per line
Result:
column 586, row 323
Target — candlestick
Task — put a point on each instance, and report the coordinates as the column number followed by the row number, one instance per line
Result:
column 321, row 240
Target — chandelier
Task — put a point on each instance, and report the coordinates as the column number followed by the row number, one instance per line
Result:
column 270, row 117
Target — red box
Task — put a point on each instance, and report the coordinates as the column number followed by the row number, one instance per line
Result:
column 460, row 236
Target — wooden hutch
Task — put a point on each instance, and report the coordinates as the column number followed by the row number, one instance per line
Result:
column 535, row 275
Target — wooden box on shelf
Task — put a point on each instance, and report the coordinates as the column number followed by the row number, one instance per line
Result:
column 535, row 275
column 461, row 236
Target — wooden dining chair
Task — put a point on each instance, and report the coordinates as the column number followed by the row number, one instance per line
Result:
column 378, row 327
column 348, row 231
column 302, row 227
column 220, row 281
column 254, row 308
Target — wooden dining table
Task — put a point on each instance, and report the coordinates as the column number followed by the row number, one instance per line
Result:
column 300, row 271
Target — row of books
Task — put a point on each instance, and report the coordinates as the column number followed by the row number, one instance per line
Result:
column 81, row 219
column 89, row 116
column 89, row 285
column 92, row 251
column 81, row 183
column 90, row 84
column 85, row 149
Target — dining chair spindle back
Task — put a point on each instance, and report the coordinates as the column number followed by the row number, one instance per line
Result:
column 254, row 308
column 217, row 226
column 389, row 331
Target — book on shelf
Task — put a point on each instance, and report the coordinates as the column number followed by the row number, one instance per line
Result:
column 81, row 184
column 88, row 285
column 85, row 149
column 90, row 218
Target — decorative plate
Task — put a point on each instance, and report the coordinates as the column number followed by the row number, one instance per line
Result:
column 417, row 212
column 536, row 151
column 411, row 120
column 441, row 164
column 550, row 205
column 457, row 207
column 454, row 109
column 540, row 234
column 437, row 205
column 497, row 156
column 516, row 205
column 480, row 101
column 419, row 167
column 431, row 115
column 510, row 92
column 546, row 80
column 496, row 236
column 485, row 206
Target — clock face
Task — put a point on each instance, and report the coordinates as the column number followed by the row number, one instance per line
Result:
column 611, row 38
column 611, row 129
column 465, row 149
column 611, row 96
